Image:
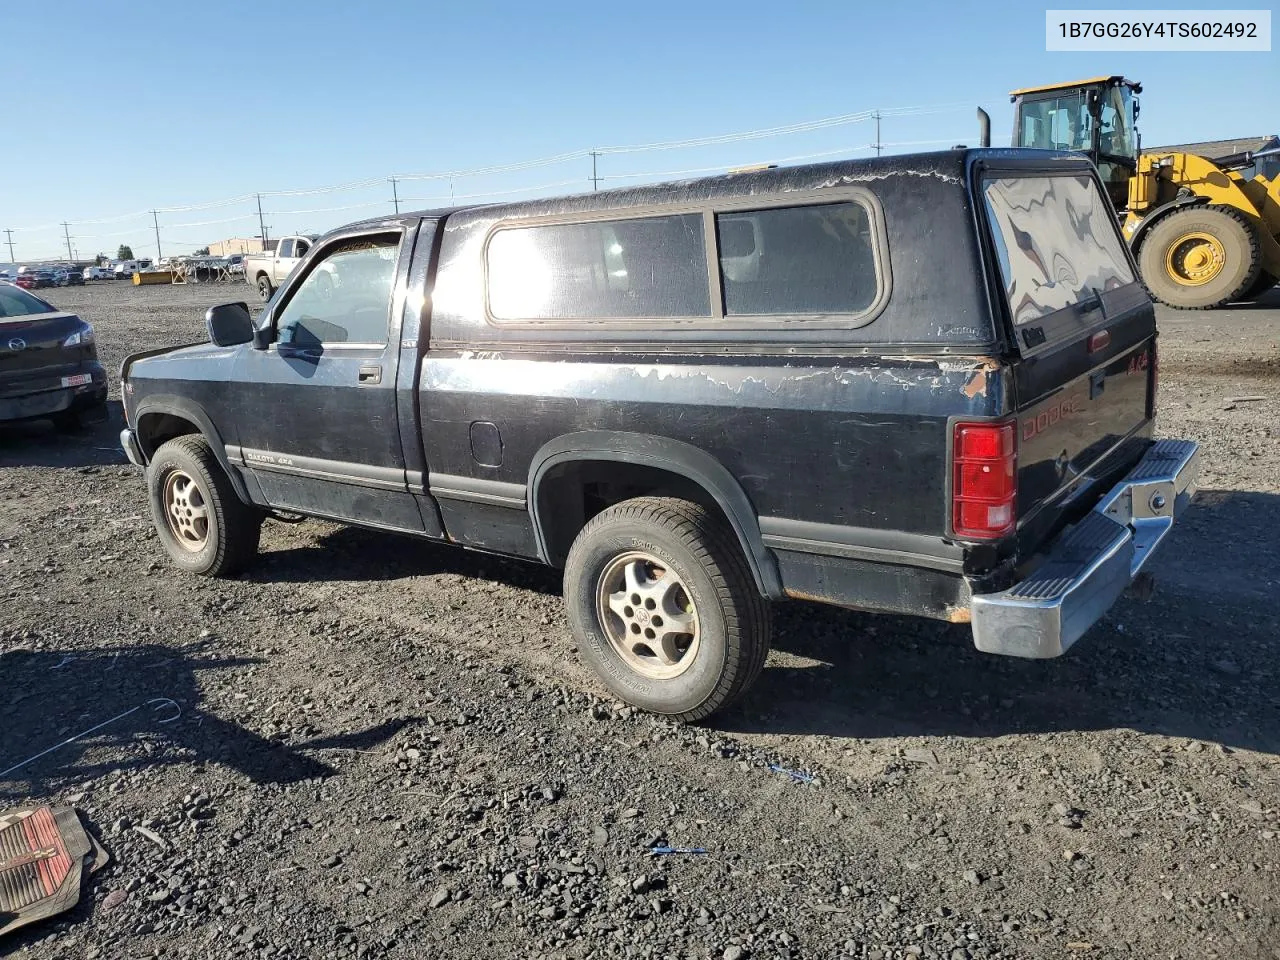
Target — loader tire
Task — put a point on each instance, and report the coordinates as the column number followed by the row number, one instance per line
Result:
column 1199, row 258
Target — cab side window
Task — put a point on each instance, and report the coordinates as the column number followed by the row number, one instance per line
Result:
column 346, row 296
column 285, row 249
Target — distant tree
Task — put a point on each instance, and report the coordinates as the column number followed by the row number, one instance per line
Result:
column 125, row 252
column 99, row 260
column 202, row 252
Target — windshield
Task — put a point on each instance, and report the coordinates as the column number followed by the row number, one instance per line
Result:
column 1057, row 123
column 1057, row 242
column 16, row 302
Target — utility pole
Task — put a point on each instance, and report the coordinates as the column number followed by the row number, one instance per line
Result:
column 156, row 220
column 878, row 144
column 261, row 226
column 395, row 197
column 595, row 180
column 9, row 234
column 66, row 232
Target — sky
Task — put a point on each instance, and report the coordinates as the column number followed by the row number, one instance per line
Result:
column 114, row 115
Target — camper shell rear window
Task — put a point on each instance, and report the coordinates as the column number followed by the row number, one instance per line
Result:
column 1057, row 242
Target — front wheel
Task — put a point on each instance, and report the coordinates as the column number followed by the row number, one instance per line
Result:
column 74, row 419
column 264, row 288
column 204, row 526
column 664, row 607
column 1200, row 257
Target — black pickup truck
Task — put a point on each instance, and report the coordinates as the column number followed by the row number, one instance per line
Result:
column 920, row 384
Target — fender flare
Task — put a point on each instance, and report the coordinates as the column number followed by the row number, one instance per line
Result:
column 675, row 457
column 175, row 406
column 1152, row 218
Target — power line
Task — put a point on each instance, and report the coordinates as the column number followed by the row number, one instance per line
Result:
column 594, row 153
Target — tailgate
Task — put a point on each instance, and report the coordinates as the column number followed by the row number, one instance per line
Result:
column 1085, row 328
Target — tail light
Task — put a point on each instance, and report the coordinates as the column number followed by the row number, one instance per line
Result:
column 983, row 480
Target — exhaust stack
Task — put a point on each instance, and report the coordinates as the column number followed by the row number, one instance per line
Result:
column 984, row 128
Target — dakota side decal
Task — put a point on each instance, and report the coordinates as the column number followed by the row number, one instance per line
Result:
column 267, row 458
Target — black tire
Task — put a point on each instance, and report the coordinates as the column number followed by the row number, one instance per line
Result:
column 734, row 622
column 67, row 421
column 1233, row 232
column 265, row 289
column 1260, row 286
column 232, row 528
column 75, row 419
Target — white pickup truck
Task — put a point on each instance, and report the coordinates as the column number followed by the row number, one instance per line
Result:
column 266, row 271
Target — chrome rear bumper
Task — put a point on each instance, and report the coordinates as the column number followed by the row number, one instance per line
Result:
column 1092, row 563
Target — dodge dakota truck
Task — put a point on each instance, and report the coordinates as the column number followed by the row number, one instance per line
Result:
column 921, row 384
column 267, row 270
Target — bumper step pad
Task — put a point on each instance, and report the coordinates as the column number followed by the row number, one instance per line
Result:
column 44, row 854
column 1084, row 572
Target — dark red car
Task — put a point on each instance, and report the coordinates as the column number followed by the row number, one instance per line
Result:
column 35, row 280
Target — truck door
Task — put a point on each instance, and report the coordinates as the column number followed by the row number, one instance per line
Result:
column 320, row 429
column 282, row 262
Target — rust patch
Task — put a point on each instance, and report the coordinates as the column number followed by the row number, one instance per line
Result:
column 977, row 383
column 801, row 595
column 959, row 615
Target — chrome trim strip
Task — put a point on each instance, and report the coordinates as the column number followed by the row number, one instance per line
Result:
column 478, row 490
column 338, row 471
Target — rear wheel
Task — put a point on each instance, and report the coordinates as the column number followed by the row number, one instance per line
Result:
column 204, row 526
column 77, row 418
column 664, row 607
column 1200, row 257
column 265, row 289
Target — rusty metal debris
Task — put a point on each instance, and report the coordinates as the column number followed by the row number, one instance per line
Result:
column 45, row 853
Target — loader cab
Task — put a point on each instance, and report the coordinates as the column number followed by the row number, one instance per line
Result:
column 1097, row 117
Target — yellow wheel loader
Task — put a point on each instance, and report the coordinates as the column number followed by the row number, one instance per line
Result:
column 1205, row 230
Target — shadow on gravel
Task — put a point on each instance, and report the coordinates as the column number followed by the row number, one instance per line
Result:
column 350, row 553
column 47, row 697
column 1197, row 662
column 35, row 443
column 1268, row 301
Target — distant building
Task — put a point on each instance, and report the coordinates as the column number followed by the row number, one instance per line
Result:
column 225, row 248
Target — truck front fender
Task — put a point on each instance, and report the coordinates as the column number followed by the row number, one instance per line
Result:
column 150, row 409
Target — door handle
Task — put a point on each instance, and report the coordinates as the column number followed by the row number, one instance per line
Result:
column 1097, row 384
column 371, row 373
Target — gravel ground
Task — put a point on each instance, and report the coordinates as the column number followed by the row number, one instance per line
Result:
column 404, row 757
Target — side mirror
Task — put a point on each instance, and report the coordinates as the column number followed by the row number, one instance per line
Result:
column 263, row 337
column 229, row 324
